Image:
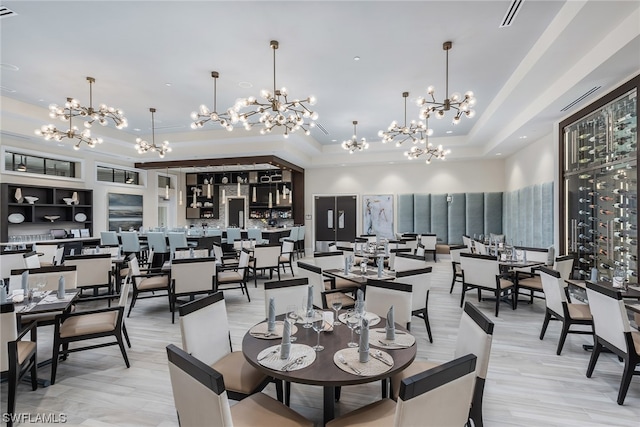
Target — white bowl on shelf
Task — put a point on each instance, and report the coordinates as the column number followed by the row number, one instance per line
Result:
column 31, row 199
column 80, row 217
column 68, row 200
column 52, row 217
column 16, row 218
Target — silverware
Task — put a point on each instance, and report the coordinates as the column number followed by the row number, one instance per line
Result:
column 378, row 355
column 392, row 344
column 295, row 362
column 271, row 353
column 264, row 334
column 342, row 360
column 397, row 332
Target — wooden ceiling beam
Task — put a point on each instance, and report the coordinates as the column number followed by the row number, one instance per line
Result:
column 230, row 161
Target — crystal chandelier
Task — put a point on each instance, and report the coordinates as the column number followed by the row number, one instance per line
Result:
column 102, row 114
column 461, row 104
column 143, row 146
column 276, row 109
column 429, row 151
column 415, row 131
column 51, row 132
column 205, row 115
column 353, row 144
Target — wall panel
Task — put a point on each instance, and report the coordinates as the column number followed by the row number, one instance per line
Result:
column 493, row 213
column 456, row 221
column 405, row 213
column 439, row 216
column 422, row 213
column 474, row 206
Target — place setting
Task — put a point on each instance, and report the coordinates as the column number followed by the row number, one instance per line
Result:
column 359, row 359
column 359, row 305
column 389, row 337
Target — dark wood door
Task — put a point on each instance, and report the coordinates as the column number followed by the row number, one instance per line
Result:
column 236, row 217
column 335, row 218
column 346, row 218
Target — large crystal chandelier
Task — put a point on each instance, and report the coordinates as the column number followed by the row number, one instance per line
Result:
column 429, row 151
column 276, row 109
column 461, row 104
column 205, row 115
column 143, row 146
column 102, row 114
column 417, row 132
column 51, row 132
column 353, row 144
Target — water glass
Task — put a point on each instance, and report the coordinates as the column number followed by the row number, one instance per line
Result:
column 293, row 316
column 353, row 321
column 336, row 305
column 317, row 320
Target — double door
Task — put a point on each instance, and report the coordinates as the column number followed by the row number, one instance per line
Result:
column 335, row 219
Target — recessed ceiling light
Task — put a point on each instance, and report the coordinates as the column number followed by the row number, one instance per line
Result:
column 10, row 67
column 449, row 131
column 167, row 84
column 498, row 154
column 245, row 85
column 334, row 140
column 356, row 58
column 523, row 137
column 392, row 163
column 136, row 129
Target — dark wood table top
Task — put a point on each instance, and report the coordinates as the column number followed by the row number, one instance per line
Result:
column 323, row 371
column 356, row 277
column 42, row 305
column 633, row 307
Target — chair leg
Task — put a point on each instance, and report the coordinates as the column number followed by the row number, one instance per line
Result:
column 464, row 290
column 287, row 393
column 338, row 390
column 244, row 284
column 475, row 414
column 34, row 372
column 563, row 335
column 54, row 359
column 279, row 390
column 13, row 385
column 453, row 282
column 126, row 335
column 384, row 383
column 134, row 297
column 479, row 295
column 122, row 349
column 545, row 323
column 627, row 374
column 497, row 300
column 597, row 348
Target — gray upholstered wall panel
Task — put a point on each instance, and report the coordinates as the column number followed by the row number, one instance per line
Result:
column 536, row 221
column 405, row 213
column 547, row 215
column 474, row 214
column 527, row 206
column 439, row 216
column 493, row 213
column 457, row 214
column 422, row 213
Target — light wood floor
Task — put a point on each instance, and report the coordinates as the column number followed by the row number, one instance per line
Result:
column 527, row 384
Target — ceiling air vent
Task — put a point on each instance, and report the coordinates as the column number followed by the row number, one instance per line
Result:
column 512, row 11
column 5, row 12
column 580, row 98
column 319, row 126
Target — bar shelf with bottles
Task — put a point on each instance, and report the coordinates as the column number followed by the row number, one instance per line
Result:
column 598, row 197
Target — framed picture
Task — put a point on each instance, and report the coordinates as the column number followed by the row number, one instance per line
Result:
column 84, row 232
column 124, row 212
column 377, row 215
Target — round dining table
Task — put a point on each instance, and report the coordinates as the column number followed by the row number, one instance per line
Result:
column 323, row 371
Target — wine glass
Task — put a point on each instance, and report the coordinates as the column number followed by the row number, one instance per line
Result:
column 353, row 320
column 336, row 305
column 293, row 316
column 317, row 320
column 307, row 312
column 40, row 285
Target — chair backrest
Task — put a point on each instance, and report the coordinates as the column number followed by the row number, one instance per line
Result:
column 285, row 293
column 205, row 328
column 564, row 266
column 31, row 260
column 191, row 275
column 213, row 232
column 130, row 241
column 218, row 253
column 444, row 393
column 553, row 287
column 254, row 233
column 157, row 242
column 287, row 249
column 48, row 252
column 480, row 270
column 8, row 332
column 475, row 336
column 429, row 241
column 301, row 231
column 293, row 234
column 134, row 267
column 380, row 295
column 420, row 250
column 313, row 274
column 177, row 240
column 466, row 240
column 109, row 238
column 233, row 234
column 411, row 243
column 405, row 261
column 420, row 279
column 124, row 294
column 610, row 319
column 371, row 238
column 398, row 249
column 266, row 255
column 58, row 258
column 332, row 247
column 243, row 262
column 480, row 248
column 47, row 275
column 329, row 260
column 11, row 260
column 535, row 254
column 198, row 391
column 92, row 269
column 113, row 250
column 455, row 252
column 238, row 244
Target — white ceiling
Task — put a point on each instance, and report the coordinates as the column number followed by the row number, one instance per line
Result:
column 522, row 75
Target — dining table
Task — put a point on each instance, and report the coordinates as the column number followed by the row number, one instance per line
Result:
column 324, row 368
column 357, row 277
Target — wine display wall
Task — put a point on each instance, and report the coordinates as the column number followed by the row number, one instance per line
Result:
column 600, row 189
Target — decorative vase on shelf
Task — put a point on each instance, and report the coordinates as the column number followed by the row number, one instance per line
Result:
column 18, row 195
column 74, row 197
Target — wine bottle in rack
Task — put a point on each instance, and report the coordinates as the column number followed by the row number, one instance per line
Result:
column 602, row 252
column 602, row 238
column 584, row 236
column 584, row 176
column 619, row 190
column 584, row 188
column 619, row 220
column 606, row 212
column 581, row 212
column 633, row 242
column 581, row 200
column 631, row 226
column 621, row 205
column 626, row 117
column 603, row 224
column 606, row 266
column 621, row 249
column 591, row 231
column 607, row 198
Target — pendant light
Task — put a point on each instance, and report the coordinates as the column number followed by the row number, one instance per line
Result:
column 166, row 186
column 180, row 187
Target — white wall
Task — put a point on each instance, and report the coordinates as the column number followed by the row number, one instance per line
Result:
column 536, row 163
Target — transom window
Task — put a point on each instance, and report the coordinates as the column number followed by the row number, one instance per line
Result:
column 19, row 162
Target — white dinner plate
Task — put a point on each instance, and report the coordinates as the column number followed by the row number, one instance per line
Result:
column 80, row 217
column 16, row 218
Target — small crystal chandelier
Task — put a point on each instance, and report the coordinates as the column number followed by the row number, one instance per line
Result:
column 276, row 110
column 415, row 131
column 462, row 105
column 429, row 151
column 51, row 132
column 353, row 144
column 102, row 114
column 143, row 146
column 205, row 115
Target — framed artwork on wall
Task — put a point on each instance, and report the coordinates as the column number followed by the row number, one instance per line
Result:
column 124, row 212
column 377, row 215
